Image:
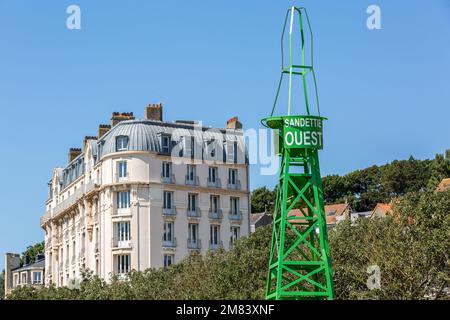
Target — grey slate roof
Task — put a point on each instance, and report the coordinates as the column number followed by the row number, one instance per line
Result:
column 144, row 135
column 40, row 264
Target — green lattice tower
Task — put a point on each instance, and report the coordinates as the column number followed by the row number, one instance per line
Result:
column 299, row 263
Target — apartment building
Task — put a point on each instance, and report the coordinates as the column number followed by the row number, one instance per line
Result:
column 145, row 193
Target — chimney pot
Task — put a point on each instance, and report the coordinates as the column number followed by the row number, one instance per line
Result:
column 154, row 112
column 103, row 129
column 234, row 124
column 73, row 153
column 120, row 116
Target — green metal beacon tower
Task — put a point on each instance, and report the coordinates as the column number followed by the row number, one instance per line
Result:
column 299, row 263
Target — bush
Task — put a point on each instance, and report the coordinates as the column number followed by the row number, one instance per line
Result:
column 411, row 250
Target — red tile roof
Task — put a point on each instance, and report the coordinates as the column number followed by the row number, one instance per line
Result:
column 444, row 185
column 331, row 212
column 384, row 207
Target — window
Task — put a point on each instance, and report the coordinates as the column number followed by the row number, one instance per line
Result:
column 215, row 235
column 231, row 147
column 167, row 200
column 214, row 203
column 235, row 233
column 37, row 277
column 166, row 170
column 192, row 202
column 123, row 263
column 210, row 148
column 121, row 143
column 16, row 280
column 23, row 278
column 234, row 205
column 122, row 169
column 188, row 146
column 165, row 143
column 190, row 173
column 168, row 260
column 168, row 232
column 232, row 176
column 212, row 174
column 123, row 199
column 122, row 233
column 193, row 232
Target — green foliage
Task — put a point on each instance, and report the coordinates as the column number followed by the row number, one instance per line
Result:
column 363, row 189
column 2, row 284
column 411, row 251
column 262, row 198
column 236, row 274
column 30, row 254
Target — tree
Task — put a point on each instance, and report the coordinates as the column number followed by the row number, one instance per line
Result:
column 262, row 199
column 440, row 169
column 30, row 254
column 410, row 249
column 2, row 284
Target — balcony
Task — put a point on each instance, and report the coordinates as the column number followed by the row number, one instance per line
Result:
column 196, row 213
column 192, row 182
column 215, row 246
column 91, row 185
column 214, row 184
column 169, row 212
column 168, row 179
column 122, row 178
column 70, row 201
column 46, row 216
column 169, row 244
column 122, row 211
column 234, row 186
column 235, row 216
column 215, row 215
column 194, row 245
column 121, row 244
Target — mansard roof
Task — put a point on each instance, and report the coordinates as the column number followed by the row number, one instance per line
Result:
column 144, row 135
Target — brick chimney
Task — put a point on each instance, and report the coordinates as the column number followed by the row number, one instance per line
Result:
column 120, row 116
column 73, row 153
column 234, row 124
column 154, row 112
column 103, row 129
column 86, row 138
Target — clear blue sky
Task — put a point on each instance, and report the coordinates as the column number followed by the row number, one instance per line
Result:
column 386, row 92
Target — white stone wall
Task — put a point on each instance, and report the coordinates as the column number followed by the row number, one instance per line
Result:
column 144, row 214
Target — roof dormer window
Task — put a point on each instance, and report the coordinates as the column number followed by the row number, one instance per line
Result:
column 121, row 143
column 165, row 143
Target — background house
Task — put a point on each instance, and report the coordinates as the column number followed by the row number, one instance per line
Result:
column 26, row 275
